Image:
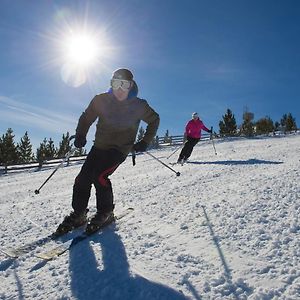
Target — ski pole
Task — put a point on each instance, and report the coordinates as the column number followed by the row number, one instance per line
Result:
column 56, row 168
column 211, row 137
column 174, row 151
column 177, row 173
column 133, row 157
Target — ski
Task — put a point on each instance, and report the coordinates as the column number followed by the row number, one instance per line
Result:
column 15, row 252
column 26, row 248
column 65, row 246
column 178, row 163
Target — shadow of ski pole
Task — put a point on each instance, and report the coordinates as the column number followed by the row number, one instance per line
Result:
column 221, row 255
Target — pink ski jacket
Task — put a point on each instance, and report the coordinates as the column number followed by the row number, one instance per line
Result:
column 193, row 128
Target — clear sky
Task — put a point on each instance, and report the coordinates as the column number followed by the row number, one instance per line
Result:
column 193, row 55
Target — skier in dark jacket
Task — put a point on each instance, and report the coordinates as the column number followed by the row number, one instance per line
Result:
column 193, row 135
column 119, row 112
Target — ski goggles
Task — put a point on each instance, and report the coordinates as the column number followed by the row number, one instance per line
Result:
column 125, row 85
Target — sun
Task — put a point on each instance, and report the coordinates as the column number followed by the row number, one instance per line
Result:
column 83, row 54
column 81, row 47
column 81, row 50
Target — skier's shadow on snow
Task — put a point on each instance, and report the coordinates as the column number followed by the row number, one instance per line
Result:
column 236, row 162
column 108, row 277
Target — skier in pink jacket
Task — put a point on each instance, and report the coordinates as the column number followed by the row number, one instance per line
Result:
column 193, row 135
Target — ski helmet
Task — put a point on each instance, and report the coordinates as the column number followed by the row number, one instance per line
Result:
column 195, row 115
column 124, row 74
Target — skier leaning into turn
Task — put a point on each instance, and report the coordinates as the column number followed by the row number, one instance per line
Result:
column 119, row 112
column 193, row 135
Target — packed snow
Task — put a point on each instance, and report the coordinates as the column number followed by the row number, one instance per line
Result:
column 227, row 228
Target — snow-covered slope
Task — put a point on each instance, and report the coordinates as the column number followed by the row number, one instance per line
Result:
column 227, row 228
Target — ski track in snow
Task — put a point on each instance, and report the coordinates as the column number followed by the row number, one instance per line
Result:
column 227, row 228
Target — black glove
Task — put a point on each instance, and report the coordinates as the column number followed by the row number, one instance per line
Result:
column 140, row 146
column 80, row 141
column 209, row 131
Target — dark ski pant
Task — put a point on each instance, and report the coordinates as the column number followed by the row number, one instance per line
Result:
column 98, row 165
column 188, row 148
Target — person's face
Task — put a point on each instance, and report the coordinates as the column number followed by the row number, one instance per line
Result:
column 120, row 94
column 195, row 117
column 121, row 88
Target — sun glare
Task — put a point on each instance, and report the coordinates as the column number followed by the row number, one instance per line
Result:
column 82, row 50
column 83, row 54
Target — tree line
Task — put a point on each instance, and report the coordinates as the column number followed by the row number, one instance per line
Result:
column 22, row 152
column 249, row 128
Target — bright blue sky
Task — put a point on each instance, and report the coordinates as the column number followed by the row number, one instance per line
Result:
column 193, row 55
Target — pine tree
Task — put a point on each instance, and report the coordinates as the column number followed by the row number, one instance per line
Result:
column 247, row 127
column 283, row 121
column 290, row 123
column 50, row 149
column 228, row 125
column 24, row 149
column 9, row 154
column 276, row 125
column 264, row 126
column 64, row 146
column 41, row 152
column 46, row 150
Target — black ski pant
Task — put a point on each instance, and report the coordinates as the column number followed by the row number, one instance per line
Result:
column 98, row 165
column 188, row 148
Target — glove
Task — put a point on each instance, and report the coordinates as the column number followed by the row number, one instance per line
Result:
column 209, row 131
column 80, row 141
column 140, row 146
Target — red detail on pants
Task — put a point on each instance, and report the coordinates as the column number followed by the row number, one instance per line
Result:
column 103, row 180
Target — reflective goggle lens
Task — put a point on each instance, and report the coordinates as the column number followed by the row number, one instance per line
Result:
column 119, row 83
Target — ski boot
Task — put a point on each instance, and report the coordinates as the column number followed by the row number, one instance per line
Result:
column 71, row 222
column 100, row 220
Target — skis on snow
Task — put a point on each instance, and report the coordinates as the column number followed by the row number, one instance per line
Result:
column 15, row 252
column 65, row 246
column 181, row 163
column 18, row 251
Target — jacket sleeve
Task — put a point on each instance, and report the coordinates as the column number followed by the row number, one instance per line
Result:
column 204, row 127
column 86, row 119
column 152, row 119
